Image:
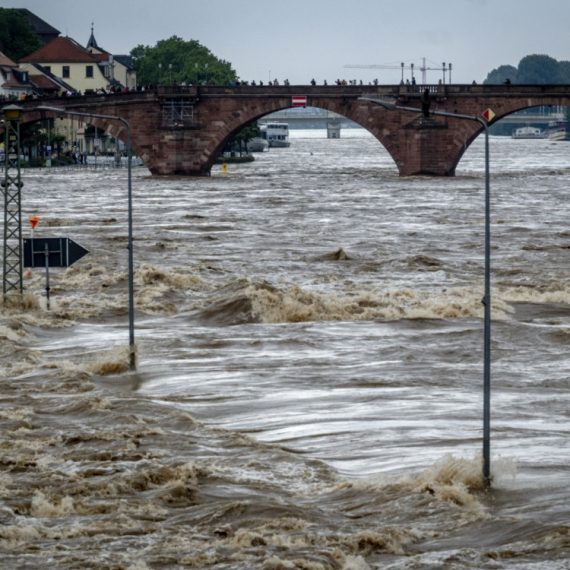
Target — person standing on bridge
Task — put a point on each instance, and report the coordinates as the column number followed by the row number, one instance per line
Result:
column 426, row 102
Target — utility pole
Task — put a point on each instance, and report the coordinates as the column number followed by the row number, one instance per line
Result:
column 48, row 160
column 12, row 282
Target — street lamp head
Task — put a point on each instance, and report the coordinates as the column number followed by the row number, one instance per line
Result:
column 54, row 109
column 390, row 105
column 12, row 112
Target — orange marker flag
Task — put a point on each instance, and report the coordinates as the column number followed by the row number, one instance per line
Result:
column 33, row 221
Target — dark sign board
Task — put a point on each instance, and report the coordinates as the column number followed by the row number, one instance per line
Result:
column 62, row 252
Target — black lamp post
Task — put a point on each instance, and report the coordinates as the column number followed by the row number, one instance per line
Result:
column 487, row 295
column 132, row 355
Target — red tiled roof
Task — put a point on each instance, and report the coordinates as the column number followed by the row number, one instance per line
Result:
column 13, row 80
column 5, row 60
column 43, row 82
column 60, row 50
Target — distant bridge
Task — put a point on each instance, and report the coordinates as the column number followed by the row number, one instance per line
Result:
column 541, row 119
column 332, row 121
column 182, row 130
column 307, row 117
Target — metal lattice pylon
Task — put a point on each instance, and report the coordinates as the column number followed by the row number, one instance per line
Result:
column 12, row 282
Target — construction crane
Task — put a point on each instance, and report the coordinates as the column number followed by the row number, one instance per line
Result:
column 423, row 68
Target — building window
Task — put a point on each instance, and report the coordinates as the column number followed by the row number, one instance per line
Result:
column 47, row 68
column 89, row 71
column 65, row 72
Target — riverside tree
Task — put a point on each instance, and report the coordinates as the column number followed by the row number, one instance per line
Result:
column 191, row 62
column 17, row 37
column 532, row 70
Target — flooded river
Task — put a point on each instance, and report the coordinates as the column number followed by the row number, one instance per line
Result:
column 310, row 367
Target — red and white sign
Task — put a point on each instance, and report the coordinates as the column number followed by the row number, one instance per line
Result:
column 488, row 115
column 33, row 221
column 299, row 101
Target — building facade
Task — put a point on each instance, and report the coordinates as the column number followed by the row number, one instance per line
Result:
column 14, row 82
column 81, row 70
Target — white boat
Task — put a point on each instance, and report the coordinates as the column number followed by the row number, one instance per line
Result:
column 257, row 144
column 529, row 133
column 276, row 134
column 559, row 130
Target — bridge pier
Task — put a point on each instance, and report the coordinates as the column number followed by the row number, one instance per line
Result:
column 423, row 147
column 333, row 129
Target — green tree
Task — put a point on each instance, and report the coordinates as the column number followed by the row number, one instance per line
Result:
column 244, row 136
column 564, row 69
column 188, row 60
column 539, row 70
column 502, row 72
column 17, row 37
column 533, row 70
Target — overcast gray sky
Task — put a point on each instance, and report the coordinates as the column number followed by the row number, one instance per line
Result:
column 302, row 39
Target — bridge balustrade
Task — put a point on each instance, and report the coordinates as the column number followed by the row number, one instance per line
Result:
column 406, row 89
column 177, row 90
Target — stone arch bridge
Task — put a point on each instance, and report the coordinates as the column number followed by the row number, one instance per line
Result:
column 181, row 130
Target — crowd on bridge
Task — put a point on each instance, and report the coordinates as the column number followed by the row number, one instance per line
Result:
column 118, row 89
column 69, row 93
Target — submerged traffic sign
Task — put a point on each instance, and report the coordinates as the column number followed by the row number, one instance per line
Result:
column 60, row 252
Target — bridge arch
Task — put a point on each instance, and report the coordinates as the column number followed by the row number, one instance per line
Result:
column 502, row 107
column 239, row 120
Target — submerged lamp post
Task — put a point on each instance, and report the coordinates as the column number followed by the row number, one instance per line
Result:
column 132, row 357
column 487, row 295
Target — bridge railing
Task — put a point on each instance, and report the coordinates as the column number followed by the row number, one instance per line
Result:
column 177, row 90
column 405, row 89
